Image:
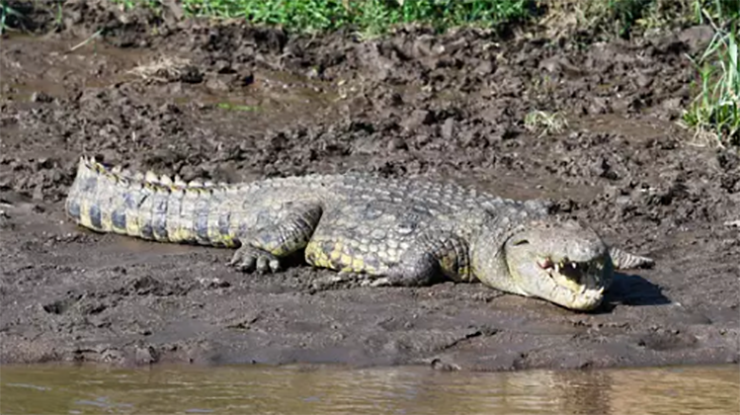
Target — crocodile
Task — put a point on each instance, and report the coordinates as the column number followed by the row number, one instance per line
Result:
column 381, row 231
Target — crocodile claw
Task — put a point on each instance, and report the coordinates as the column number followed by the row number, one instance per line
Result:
column 248, row 259
column 378, row 282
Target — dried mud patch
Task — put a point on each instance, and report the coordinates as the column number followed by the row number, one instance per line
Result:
column 231, row 102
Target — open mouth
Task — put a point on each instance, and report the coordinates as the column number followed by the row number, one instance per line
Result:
column 579, row 277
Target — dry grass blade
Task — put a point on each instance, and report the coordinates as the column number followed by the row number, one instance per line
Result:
column 163, row 69
column 545, row 122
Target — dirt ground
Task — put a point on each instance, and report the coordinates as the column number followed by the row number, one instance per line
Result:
column 234, row 103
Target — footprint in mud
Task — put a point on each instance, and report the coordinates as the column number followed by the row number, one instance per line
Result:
column 60, row 307
column 5, row 220
column 664, row 339
column 148, row 285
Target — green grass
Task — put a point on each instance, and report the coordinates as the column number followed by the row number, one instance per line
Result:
column 716, row 109
column 374, row 17
column 236, row 107
column 7, row 13
column 366, row 16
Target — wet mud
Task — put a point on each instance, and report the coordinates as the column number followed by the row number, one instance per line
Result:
column 231, row 102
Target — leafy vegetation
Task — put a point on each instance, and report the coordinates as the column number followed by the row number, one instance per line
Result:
column 6, row 14
column 716, row 109
column 370, row 17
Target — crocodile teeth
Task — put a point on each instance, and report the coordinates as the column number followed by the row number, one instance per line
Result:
column 151, row 177
column 557, row 268
column 583, row 290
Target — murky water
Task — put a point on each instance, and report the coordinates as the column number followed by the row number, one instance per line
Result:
column 294, row 390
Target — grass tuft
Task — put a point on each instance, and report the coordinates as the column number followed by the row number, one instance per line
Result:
column 6, row 14
column 626, row 17
column 237, row 107
column 715, row 111
column 545, row 123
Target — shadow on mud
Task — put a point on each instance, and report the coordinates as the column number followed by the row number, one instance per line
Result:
column 636, row 291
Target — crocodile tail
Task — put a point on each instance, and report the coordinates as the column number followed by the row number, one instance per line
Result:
column 625, row 260
column 150, row 207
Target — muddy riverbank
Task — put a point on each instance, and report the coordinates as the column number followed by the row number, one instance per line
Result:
column 230, row 102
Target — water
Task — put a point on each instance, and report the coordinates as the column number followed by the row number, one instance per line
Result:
column 328, row 390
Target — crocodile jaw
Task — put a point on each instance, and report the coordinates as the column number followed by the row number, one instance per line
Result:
column 562, row 262
column 577, row 285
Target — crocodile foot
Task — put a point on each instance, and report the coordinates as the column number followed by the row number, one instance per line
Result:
column 248, row 259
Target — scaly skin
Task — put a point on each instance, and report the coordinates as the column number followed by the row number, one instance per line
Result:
column 385, row 231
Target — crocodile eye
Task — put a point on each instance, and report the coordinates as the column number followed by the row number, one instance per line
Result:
column 521, row 242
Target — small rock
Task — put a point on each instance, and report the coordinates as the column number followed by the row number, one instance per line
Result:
column 4, row 220
column 485, row 68
column 672, row 107
column 313, row 73
column 6, row 181
column 42, row 97
column 109, row 156
column 145, row 355
column 224, row 67
column 112, row 356
column 448, row 128
column 214, row 282
column 423, row 47
column 38, row 193
column 397, row 143
column 599, row 105
column 417, row 119
column 191, row 75
column 245, row 79
column 188, row 172
column 672, row 104
column 552, row 65
column 565, row 206
column 438, row 364
column 217, row 85
column 643, row 81
column 697, row 37
column 45, row 163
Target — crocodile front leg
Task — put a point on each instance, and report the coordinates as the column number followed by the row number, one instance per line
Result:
column 262, row 249
column 389, row 258
column 431, row 255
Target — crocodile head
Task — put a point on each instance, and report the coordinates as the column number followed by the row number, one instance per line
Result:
column 562, row 262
